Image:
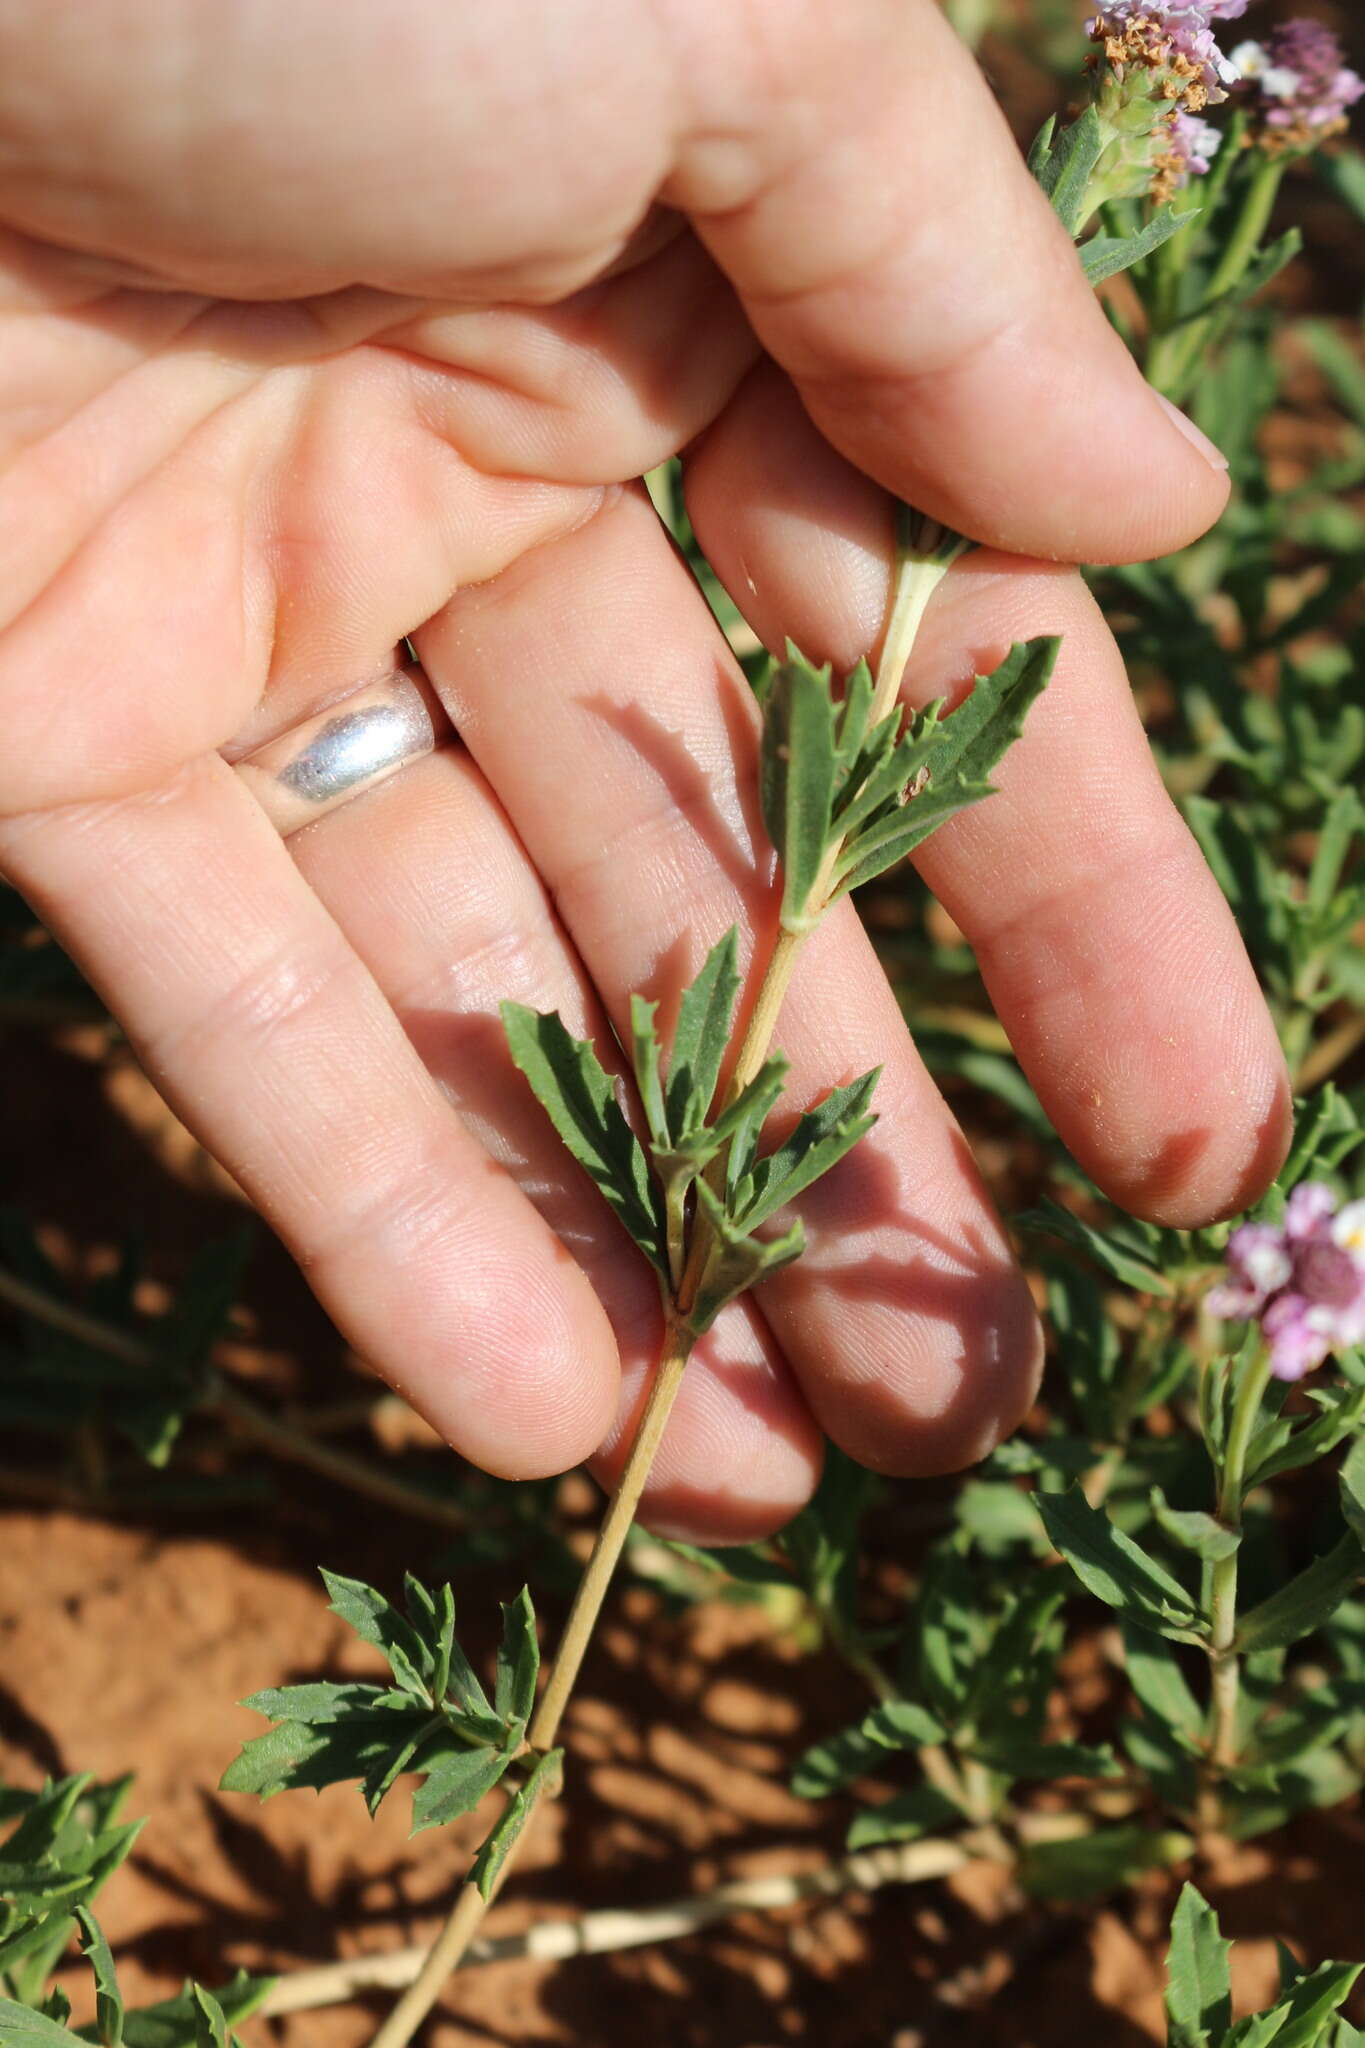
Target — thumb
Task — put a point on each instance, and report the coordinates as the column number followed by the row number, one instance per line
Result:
column 851, row 173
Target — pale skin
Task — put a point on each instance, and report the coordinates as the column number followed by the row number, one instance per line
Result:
column 327, row 324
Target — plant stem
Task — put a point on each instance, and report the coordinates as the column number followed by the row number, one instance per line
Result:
column 1224, row 1661
column 916, row 578
column 1174, row 355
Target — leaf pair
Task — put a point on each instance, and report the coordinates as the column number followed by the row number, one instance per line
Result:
column 844, row 798
column 435, row 1721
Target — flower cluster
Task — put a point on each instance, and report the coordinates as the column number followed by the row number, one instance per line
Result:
column 1303, row 1280
column 1298, row 86
column 1173, row 40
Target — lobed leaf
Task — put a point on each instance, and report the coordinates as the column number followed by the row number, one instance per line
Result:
column 819, row 1140
column 454, row 1784
column 702, row 1035
column 1307, row 1601
column 518, row 1663
column 108, row 1999
column 1105, row 256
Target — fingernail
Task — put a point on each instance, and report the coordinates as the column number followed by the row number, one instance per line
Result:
column 1196, row 436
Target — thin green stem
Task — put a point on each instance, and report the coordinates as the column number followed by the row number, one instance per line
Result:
column 1175, row 355
column 1225, row 1665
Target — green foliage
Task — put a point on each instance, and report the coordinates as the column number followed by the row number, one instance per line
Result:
column 846, row 798
column 1117, row 1570
column 1199, row 1992
column 435, row 1721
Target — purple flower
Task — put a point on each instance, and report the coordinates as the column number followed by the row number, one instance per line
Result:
column 1299, row 88
column 1303, row 1280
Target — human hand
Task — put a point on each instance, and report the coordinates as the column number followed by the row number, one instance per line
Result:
column 330, row 325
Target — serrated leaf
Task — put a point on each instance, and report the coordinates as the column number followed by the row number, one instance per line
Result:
column 299, row 1755
column 902, row 1819
column 572, row 1087
column 798, row 774
column 1258, row 2029
column 1105, row 256
column 737, row 1261
column 484, row 1870
column 1116, row 1569
column 818, row 1141
column 1282, row 1446
column 518, row 1662
column 331, row 1700
column 375, row 1620
column 1307, row 1601
column 108, row 1999
column 1198, row 1984
column 454, row 1784
column 705, row 1014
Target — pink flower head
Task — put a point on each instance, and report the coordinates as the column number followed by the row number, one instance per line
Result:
column 1298, row 84
column 1302, row 1280
column 1174, row 37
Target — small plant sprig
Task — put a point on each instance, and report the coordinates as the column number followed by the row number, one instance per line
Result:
column 1303, row 2014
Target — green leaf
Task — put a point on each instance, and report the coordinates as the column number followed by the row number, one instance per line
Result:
column 964, row 748
column 455, row 1784
column 518, row 1663
column 1087, row 1866
column 331, row 1700
column 1160, row 1685
column 737, row 1261
column 1104, row 256
column 108, row 2000
column 1194, row 1530
column 1312, row 2001
column 311, row 1755
column 1353, row 1489
column 702, row 1035
column 647, row 1060
column 1115, row 1569
column 173, row 2022
column 798, row 773
column 818, row 1142
column 1109, row 1252
column 1198, row 1985
column 1046, row 1760
column 1283, row 1446
column 22, row 2027
column 902, row 1819
column 577, row 1095
column 1064, row 165
column 375, row 1620
column 1258, row 2030
column 484, row 1870
column 210, row 2023
column 1307, row 1601
column 902, row 1724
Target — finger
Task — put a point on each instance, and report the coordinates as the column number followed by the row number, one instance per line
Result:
column 627, row 764
column 1107, row 947
column 262, row 1028
column 852, row 174
column 433, row 889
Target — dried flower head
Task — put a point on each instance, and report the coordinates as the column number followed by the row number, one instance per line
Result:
column 1298, row 87
column 1173, row 41
column 1189, row 153
column 1302, row 1280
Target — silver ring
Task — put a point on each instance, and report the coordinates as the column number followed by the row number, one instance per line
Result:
column 348, row 748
